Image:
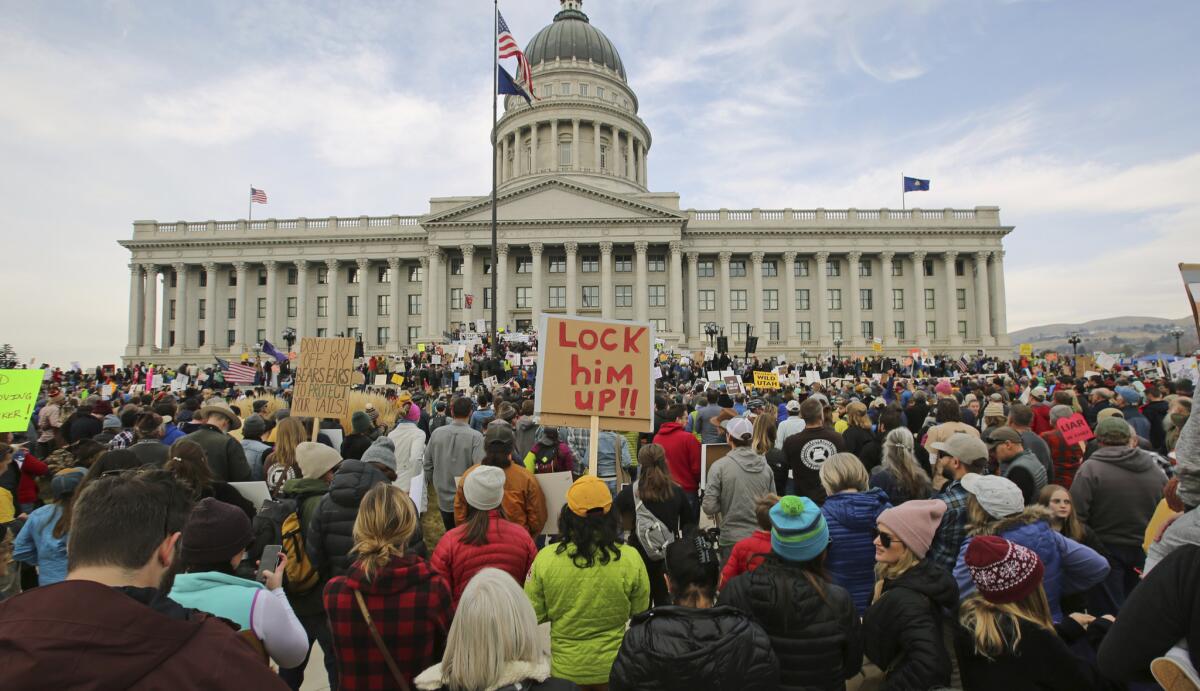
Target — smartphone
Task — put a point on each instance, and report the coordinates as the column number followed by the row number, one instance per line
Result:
column 269, row 560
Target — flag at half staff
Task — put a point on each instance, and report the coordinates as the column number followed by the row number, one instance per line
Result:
column 915, row 185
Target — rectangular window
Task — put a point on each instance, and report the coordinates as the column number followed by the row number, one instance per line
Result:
column 804, row 330
column 770, row 268
column 962, row 329
column 771, row 299
column 833, row 299
column 624, row 295
column 487, row 298
column 456, row 298
column 931, row 329
column 414, row 304
column 583, row 89
column 230, row 338
column 200, row 313
column 897, row 267
column 174, row 279
column 415, row 274
column 737, row 299
column 928, row 267
column 384, row 274
column 200, row 337
column 558, row 297
column 706, row 301
column 232, row 308
column 456, row 266
column 833, row 267
column 260, row 335
column 705, row 268
column 232, row 278
column 868, row 330
column 930, row 302
column 739, row 331
column 203, row 278
column 657, row 262
column 558, row 265
column 382, row 336
column 523, row 298
column 624, row 263
column 524, row 265
column 600, row 92
column 171, row 310
column 897, row 298
column 322, row 332
column 801, row 269
column 737, row 268
column 898, row 327
column 171, row 338
column 487, row 268
column 293, row 276
column 351, row 305
column 591, row 297
column 802, row 302
column 322, row 306
column 958, row 267
column 383, row 305
column 322, row 276
column 564, row 89
column 865, row 299
column 262, row 308
column 262, row 277
column 659, row 325
column 960, row 296
column 835, row 330
column 591, row 263
column 864, row 268
column 658, row 296
column 564, row 154
column 291, row 307
column 772, row 331
column 414, row 333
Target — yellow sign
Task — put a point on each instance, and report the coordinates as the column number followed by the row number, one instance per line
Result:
column 397, row 380
column 877, row 347
column 324, row 377
column 18, row 394
column 420, row 347
column 1026, row 349
column 766, row 380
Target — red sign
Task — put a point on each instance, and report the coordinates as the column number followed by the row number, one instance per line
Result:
column 1074, row 429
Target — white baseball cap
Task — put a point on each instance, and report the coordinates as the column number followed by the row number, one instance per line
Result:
column 738, row 428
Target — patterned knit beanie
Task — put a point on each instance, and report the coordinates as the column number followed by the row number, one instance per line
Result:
column 1003, row 571
column 798, row 529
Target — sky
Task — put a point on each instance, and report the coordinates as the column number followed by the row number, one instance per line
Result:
column 1079, row 120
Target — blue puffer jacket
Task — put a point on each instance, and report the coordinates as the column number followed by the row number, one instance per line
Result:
column 1069, row 566
column 851, row 558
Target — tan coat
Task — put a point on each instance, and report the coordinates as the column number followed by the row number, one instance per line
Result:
column 523, row 501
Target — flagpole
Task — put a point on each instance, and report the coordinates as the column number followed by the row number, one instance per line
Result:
column 902, row 207
column 250, row 205
column 495, row 258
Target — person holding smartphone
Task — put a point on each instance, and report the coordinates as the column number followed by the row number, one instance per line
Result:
column 213, row 544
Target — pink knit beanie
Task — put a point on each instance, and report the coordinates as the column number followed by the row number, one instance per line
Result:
column 915, row 523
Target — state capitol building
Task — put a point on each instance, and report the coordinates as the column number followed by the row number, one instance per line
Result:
column 580, row 232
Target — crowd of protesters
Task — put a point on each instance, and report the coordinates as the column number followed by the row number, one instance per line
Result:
column 873, row 523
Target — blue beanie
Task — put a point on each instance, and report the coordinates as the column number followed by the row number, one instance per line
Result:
column 1130, row 394
column 798, row 530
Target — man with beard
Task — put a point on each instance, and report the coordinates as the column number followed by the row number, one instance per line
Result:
column 956, row 457
column 110, row 624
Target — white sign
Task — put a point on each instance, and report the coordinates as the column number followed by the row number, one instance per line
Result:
column 1105, row 360
column 179, row 383
column 480, row 325
column 812, row 377
column 490, row 382
column 157, row 382
column 381, row 380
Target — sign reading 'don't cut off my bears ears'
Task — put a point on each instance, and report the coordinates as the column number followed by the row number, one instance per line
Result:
column 323, row 378
column 595, row 367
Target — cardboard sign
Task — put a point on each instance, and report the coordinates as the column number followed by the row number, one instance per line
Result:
column 766, row 380
column 554, row 488
column 1083, row 364
column 1074, row 429
column 323, row 378
column 598, row 368
column 464, row 382
column 398, row 380
column 1026, row 349
column 420, row 347
column 18, row 394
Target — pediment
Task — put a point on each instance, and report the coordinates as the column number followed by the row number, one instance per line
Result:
column 555, row 201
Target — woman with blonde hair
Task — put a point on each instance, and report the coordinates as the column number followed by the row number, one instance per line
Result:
column 899, row 475
column 493, row 643
column 390, row 613
column 851, row 510
column 763, row 443
column 280, row 465
column 656, row 489
column 1006, row 638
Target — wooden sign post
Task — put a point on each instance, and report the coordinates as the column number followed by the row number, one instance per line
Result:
column 324, row 375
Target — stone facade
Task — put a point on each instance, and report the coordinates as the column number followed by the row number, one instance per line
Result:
column 579, row 233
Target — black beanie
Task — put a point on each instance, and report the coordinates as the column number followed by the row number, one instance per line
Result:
column 214, row 532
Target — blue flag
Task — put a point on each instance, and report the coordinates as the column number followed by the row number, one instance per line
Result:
column 272, row 351
column 915, row 185
column 506, row 85
column 222, row 364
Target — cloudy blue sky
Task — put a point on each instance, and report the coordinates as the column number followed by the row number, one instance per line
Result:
column 1078, row 119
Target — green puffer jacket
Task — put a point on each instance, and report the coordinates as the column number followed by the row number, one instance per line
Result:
column 587, row 609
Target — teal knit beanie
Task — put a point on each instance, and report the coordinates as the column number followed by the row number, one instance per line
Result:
column 798, row 530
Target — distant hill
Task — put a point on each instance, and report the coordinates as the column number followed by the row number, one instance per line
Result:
column 1127, row 335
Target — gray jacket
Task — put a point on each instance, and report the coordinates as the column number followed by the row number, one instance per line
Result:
column 452, row 449
column 734, row 483
column 710, row 433
column 1185, row 530
column 1116, row 492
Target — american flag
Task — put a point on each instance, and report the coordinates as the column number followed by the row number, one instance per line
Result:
column 237, row 373
column 509, row 48
column 258, row 196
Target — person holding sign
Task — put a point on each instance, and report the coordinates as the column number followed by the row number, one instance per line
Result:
column 1066, row 456
column 735, row 482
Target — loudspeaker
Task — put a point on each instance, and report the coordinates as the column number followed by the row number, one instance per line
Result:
column 722, row 344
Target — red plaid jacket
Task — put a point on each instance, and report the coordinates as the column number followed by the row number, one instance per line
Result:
column 410, row 605
column 1066, row 457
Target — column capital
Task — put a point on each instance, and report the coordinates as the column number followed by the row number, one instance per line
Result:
column 998, row 255
column 301, row 264
column 535, row 248
column 179, row 267
column 502, row 250
column 757, row 257
column 394, row 264
column 725, row 257
column 332, row 264
column 675, row 246
column 241, row 266
column 822, row 256
column 606, row 247
column 467, row 250
column 950, row 256
column 424, row 259
column 641, row 246
column 887, row 256
column 575, row 121
column 363, row 264
column 270, row 264
column 135, row 268
column 435, row 253
column 789, row 257
column 854, row 256
column 210, row 267
column 693, row 258
column 571, row 247
column 982, row 256
column 151, row 269
column 919, row 255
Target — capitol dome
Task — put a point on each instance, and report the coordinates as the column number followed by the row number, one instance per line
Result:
column 571, row 35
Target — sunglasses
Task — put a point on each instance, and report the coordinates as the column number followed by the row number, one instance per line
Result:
column 884, row 539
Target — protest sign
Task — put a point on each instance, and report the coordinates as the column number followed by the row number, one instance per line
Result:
column 398, row 379
column 490, row 382
column 18, row 394
column 877, row 347
column 380, row 380
column 713, row 376
column 599, row 369
column 107, row 390
column 1191, row 283
column 766, row 380
column 420, row 347
column 1105, row 360
column 323, row 378
column 1152, row 373
column 554, row 488
column 1083, row 363
column 1074, row 429
column 733, row 385
column 464, row 382
column 528, row 361
column 812, row 377
column 480, row 325
column 1026, row 349
column 180, row 382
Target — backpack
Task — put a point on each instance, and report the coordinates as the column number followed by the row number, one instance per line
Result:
column 544, row 458
column 278, row 523
column 653, row 534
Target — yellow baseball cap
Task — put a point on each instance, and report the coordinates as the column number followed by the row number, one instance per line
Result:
column 588, row 494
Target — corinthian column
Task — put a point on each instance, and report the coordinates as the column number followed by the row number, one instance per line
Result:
column 756, row 261
column 641, row 290
column 150, row 315
column 271, row 325
column 333, row 320
column 537, row 303
column 822, row 300
column 606, row 278
column 395, row 338
column 888, row 332
column 365, row 311
column 789, row 298
column 983, row 316
column 723, row 298
column 856, row 335
column 572, row 249
column 468, row 281
column 998, row 299
column 500, row 299
column 675, row 287
column 302, row 306
column 210, row 306
column 918, row 300
column 181, row 320
column 951, row 301
column 239, row 314
column 693, row 300
column 136, row 288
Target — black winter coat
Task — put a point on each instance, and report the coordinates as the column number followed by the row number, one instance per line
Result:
column 863, row 443
column 902, row 629
column 694, row 649
column 1043, row 660
column 330, row 535
column 815, row 636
